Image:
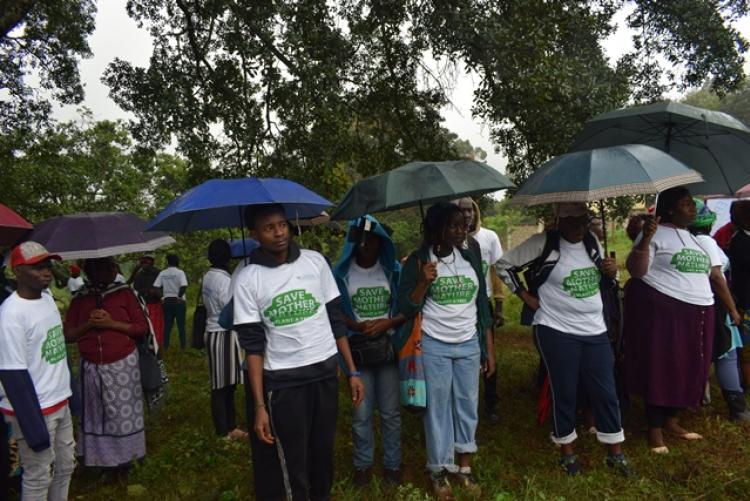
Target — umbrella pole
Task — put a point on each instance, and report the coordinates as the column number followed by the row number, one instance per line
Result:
column 421, row 210
column 242, row 235
column 604, row 227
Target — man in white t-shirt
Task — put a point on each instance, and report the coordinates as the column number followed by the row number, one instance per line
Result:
column 35, row 378
column 288, row 318
column 172, row 284
column 75, row 281
column 492, row 251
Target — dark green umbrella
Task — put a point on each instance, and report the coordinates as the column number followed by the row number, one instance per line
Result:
column 419, row 183
column 715, row 144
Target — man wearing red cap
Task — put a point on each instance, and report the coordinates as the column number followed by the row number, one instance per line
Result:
column 75, row 281
column 34, row 377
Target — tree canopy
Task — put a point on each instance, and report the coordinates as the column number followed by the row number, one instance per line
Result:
column 316, row 90
column 41, row 41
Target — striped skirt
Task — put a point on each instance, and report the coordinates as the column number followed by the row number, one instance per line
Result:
column 224, row 358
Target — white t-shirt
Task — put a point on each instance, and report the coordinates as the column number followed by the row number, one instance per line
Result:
column 450, row 309
column 216, row 293
column 492, row 251
column 170, row 280
column 679, row 266
column 75, row 283
column 369, row 292
column 290, row 300
column 714, row 251
column 569, row 300
column 31, row 338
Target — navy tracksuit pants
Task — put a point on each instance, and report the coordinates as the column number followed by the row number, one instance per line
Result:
column 570, row 359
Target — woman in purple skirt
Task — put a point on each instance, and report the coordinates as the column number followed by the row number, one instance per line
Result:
column 669, row 316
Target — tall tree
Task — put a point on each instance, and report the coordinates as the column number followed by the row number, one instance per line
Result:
column 44, row 40
column 317, row 90
column 86, row 166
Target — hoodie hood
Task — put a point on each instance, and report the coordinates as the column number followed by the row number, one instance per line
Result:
column 387, row 260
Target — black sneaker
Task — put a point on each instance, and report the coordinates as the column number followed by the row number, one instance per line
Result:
column 392, row 477
column 570, row 465
column 468, row 482
column 441, row 487
column 362, row 478
column 620, row 466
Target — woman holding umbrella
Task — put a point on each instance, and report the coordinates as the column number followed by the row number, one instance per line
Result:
column 669, row 316
column 105, row 319
column 565, row 296
column 444, row 283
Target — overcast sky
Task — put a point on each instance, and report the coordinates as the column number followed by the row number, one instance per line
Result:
column 117, row 35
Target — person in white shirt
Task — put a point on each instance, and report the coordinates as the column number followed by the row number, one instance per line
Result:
column 287, row 314
column 443, row 284
column 727, row 339
column 172, row 283
column 669, row 316
column 75, row 281
column 222, row 346
column 35, row 377
column 492, row 251
column 565, row 299
column 367, row 276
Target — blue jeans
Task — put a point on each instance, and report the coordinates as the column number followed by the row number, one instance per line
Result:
column 451, row 374
column 381, row 390
column 174, row 309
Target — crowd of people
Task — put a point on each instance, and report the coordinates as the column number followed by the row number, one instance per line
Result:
column 285, row 324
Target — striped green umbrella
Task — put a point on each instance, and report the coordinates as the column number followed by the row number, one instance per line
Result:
column 587, row 176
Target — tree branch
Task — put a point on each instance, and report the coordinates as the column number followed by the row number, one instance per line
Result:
column 13, row 13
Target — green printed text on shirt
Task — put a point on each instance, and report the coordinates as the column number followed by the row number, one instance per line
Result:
column 582, row 283
column 53, row 347
column 458, row 289
column 291, row 307
column 691, row 261
column 371, row 302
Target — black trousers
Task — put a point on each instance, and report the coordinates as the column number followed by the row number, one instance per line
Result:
column 4, row 460
column 299, row 465
column 222, row 410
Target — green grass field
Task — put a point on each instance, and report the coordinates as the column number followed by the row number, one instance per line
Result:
column 516, row 459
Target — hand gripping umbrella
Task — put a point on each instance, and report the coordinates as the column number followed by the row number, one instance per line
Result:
column 417, row 183
column 587, row 176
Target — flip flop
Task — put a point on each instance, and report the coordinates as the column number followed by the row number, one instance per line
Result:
column 690, row 435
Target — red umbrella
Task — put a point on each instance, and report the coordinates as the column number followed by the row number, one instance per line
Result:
column 12, row 226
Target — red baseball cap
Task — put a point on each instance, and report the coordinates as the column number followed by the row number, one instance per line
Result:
column 30, row 253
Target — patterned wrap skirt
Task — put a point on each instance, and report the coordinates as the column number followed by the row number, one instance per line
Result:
column 112, row 431
column 224, row 358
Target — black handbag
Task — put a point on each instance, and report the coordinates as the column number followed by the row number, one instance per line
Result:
column 148, row 361
column 368, row 351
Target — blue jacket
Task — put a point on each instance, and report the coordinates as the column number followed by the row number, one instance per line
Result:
column 388, row 261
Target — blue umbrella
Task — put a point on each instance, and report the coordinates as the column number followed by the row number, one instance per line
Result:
column 243, row 247
column 220, row 203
